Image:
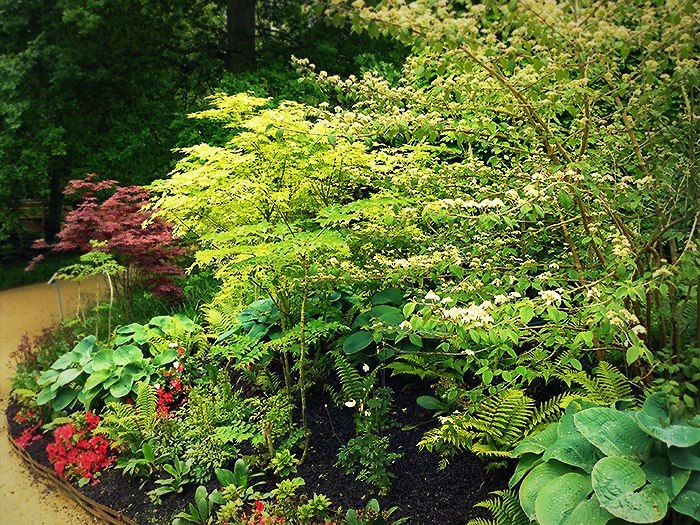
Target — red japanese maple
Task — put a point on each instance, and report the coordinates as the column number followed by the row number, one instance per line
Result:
column 116, row 216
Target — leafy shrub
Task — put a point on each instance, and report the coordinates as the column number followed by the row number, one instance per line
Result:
column 598, row 463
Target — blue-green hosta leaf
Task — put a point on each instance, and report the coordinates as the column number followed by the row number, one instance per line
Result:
column 688, row 501
column 97, row 379
column 166, row 357
column 127, row 354
column 86, row 347
column 590, row 512
column 660, row 472
column 123, row 386
column 48, row 377
column 537, row 443
column 357, row 342
column 65, row 377
column 66, row 360
column 538, row 477
column 560, row 497
column 104, row 359
column 64, row 397
column 622, row 488
column 614, row 432
column 45, row 396
column 574, row 450
column 688, row 458
column 86, row 397
column 655, row 419
column 392, row 296
column 527, row 462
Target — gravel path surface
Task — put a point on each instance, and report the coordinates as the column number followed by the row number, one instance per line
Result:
column 23, row 499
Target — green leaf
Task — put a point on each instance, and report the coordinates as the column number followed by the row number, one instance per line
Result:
column 633, row 353
column 122, row 387
column 168, row 356
column 536, row 480
column 687, row 458
column 537, row 443
column 66, row 360
column 621, row 487
column 574, row 450
column 526, row 313
column 332, row 140
column 688, row 501
column 558, row 499
column 614, row 432
column 357, row 342
column 661, row 473
column 127, row 354
column 45, row 396
column 104, row 359
column 391, row 296
column 97, row 378
column 655, row 419
column 64, row 397
column 430, row 403
column 527, row 462
column 65, row 377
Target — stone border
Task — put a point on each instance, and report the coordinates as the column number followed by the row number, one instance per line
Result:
column 48, row 476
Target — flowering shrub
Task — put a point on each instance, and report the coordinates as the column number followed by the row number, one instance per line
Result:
column 75, row 454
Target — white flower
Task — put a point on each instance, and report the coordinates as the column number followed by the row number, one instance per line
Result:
column 157, row 386
column 172, row 345
column 365, row 368
column 367, row 413
column 550, row 296
column 447, row 300
column 351, row 403
column 639, row 330
column 500, row 299
column 514, row 295
column 432, row 296
column 176, row 365
column 404, row 325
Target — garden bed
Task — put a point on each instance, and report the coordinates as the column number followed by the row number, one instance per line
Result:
column 421, row 491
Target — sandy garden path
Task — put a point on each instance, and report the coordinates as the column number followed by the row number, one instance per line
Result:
column 23, row 499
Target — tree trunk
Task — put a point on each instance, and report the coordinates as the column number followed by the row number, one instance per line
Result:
column 52, row 223
column 240, row 28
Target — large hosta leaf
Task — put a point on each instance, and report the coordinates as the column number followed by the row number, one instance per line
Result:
column 527, row 462
column 127, row 354
column 64, row 397
column 614, row 432
column 688, row 501
column 65, row 377
column 166, row 357
column 655, row 419
column 538, row 477
column 104, row 359
column 688, row 458
column 558, row 499
column 574, row 450
column 123, row 386
column 661, row 473
column 97, row 378
column 538, row 443
column 622, row 489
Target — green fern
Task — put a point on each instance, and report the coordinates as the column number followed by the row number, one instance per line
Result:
column 131, row 424
column 504, row 508
column 500, row 423
column 607, row 386
column 354, row 386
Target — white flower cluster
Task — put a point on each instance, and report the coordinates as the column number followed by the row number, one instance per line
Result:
column 475, row 315
column 550, row 297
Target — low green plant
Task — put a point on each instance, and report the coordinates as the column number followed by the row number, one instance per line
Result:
column 316, row 508
column 201, row 511
column 237, row 489
column 131, row 424
column 372, row 515
column 284, row 463
column 143, row 464
column 599, row 463
column 180, row 475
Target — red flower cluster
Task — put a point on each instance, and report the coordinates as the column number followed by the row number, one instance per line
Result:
column 164, row 402
column 76, row 455
column 260, row 517
column 29, row 435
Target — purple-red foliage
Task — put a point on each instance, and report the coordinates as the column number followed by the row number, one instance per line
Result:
column 119, row 221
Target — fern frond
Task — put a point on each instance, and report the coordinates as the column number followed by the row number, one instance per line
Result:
column 504, row 507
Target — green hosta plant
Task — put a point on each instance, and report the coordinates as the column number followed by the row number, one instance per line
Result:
column 88, row 372
column 599, row 463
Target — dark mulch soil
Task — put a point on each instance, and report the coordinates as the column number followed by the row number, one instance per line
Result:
column 428, row 495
